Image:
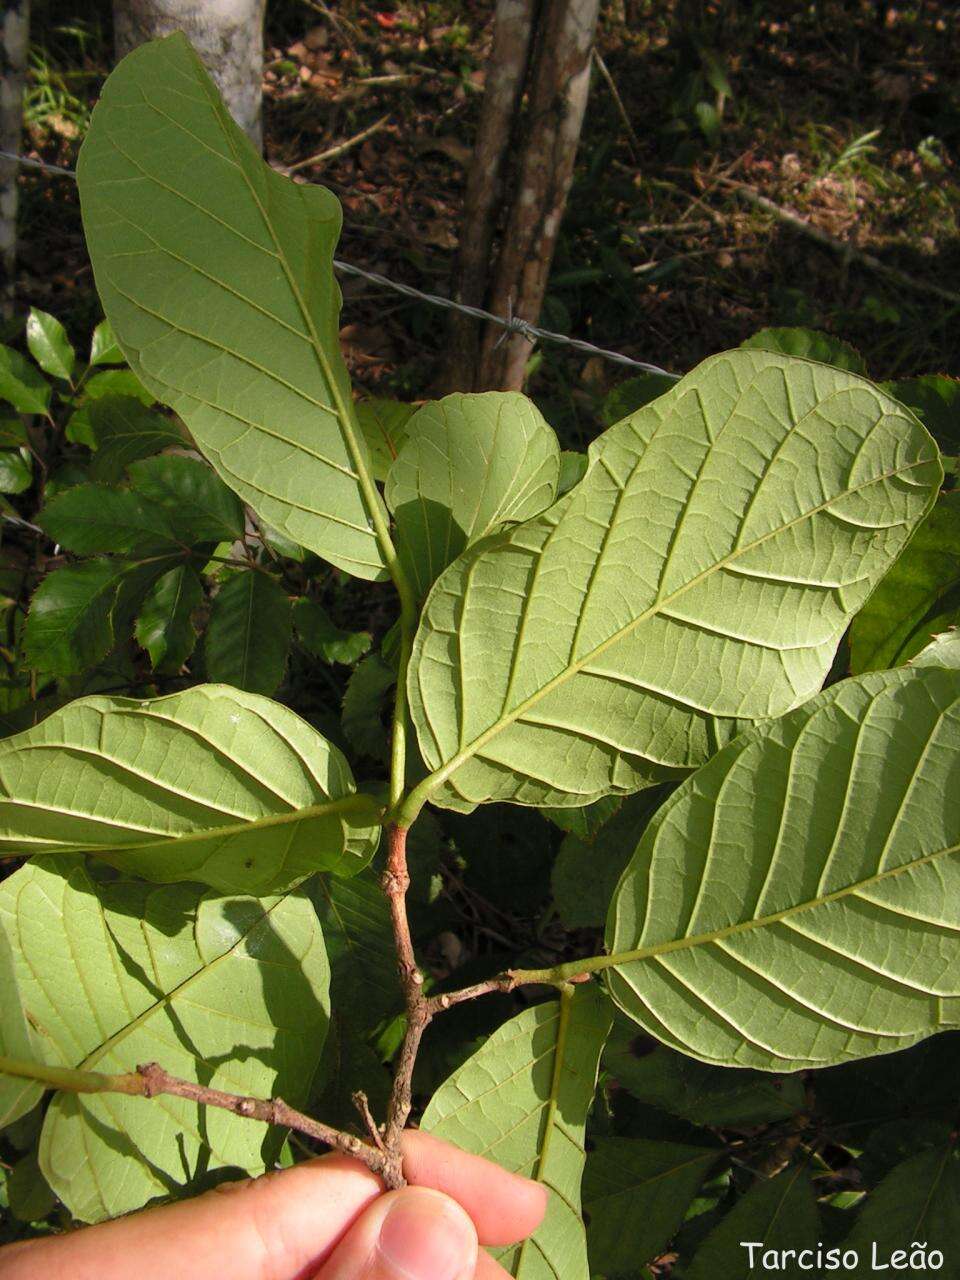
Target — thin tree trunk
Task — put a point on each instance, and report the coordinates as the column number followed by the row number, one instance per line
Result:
column 227, row 34
column 14, row 45
column 507, row 70
column 557, row 102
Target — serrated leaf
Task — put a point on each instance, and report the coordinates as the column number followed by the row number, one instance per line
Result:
column 816, row 919
column 92, row 518
column 363, row 962
column 203, row 508
column 635, row 1196
column 900, row 617
column 49, row 344
column 629, row 396
column 164, row 626
column 706, row 566
column 470, row 464
column 121, row 429
column 777, row 1214
column 942, row 651
column 231, row 992
column 522, row 1101
column 324, row 639
column 78, row 613
column 17, row 1096
column 809, row 344
column 248, row 636
column 16, row 471
column 919, row 1202
column 935, row 399
column 211, row 785
column 363, row 703
column 216, row 275
column 383, row 423
column 22, row 384
column 103, row 346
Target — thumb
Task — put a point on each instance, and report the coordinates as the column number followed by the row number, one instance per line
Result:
column 413, row 1234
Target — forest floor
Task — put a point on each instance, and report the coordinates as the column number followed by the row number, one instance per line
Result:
column 847, row 114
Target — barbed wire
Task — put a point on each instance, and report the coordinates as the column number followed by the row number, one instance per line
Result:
column 510, row 324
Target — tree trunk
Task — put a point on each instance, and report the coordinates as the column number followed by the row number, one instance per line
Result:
column 227, row 34
column 556, row 82
column 507, row 70
column 13, row 70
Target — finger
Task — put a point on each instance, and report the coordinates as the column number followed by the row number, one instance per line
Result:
column 271, row 1228
column 504, row 1207
column 413, row 1234
column 488, row 1269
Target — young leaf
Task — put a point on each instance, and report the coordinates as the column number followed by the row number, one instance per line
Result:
column 363, row 963
column 216, row 275
column 103, row 346
column 121, row 430
column 211, row 785
column 230, row 992
column 248, row 636
column 383, row 423
column 816, row 919
column 898, row 619
column 522, row 1100
column 810, row 344
column 201, row 506
column 16, row 471
column 919, row 1202
column 21, row 383
column 635, row 1196
column 776, row 1213
column 164, row 626
column 470, row 464
column 91, row 518
column 707, row 565
column 49, row 344
column 325, row 640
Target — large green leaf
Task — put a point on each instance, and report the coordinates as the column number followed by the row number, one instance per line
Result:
column 796, row 902
column 919, row 1201
column 90, row 518
column 212, row 784
column 706, row 566
column 470, row 464
column 216, row 275
column 811, row 344
column 195, row 498
column 363, row 962
column 942, row 651
column 935, row 399
column 248, row 636
column 904, row 611
column 121, row 429
column 522, row 1100
column 230, row 992
column 17, row 1096
column 635, row 1196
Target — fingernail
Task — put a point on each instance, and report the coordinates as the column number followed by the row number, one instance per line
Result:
column 425, row 1236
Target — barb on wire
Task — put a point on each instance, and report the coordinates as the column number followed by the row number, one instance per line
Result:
column 510, row 324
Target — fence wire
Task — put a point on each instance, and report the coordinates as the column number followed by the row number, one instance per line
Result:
column 510, row 324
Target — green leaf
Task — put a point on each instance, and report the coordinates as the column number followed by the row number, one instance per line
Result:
column 522, row 1100
column 573, row 467
column 201, row 505
column 777, row 1213
column 29, row 1191
column 363, row 963
column 103, row 346
column 49, row 344
column 323, row 639
column 942, row 651
column 363, row 704
column 121, row 430
column 585, row 872
column 918, row 1202
column 470, row 464
column 585, row 823
column 897, row 621
column 629, row 396
column 91, row 518
column 348, row 1065
column 635, row 1196
column 118, row 382
column 230, row 992
column 164, row 627
column 21, row 383
column 935, row 399
column 706, row 566
column 13, row 432
column 816, row 919
column 80, row 612
column 16, row 471
column 17, row 1096
column 216, row 275
column 248, row 636
column 383, row 423
column 681, row 1086
column 809, row 344
column 212, row 785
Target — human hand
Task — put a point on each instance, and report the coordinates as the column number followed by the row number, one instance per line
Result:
column 326, row 1219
